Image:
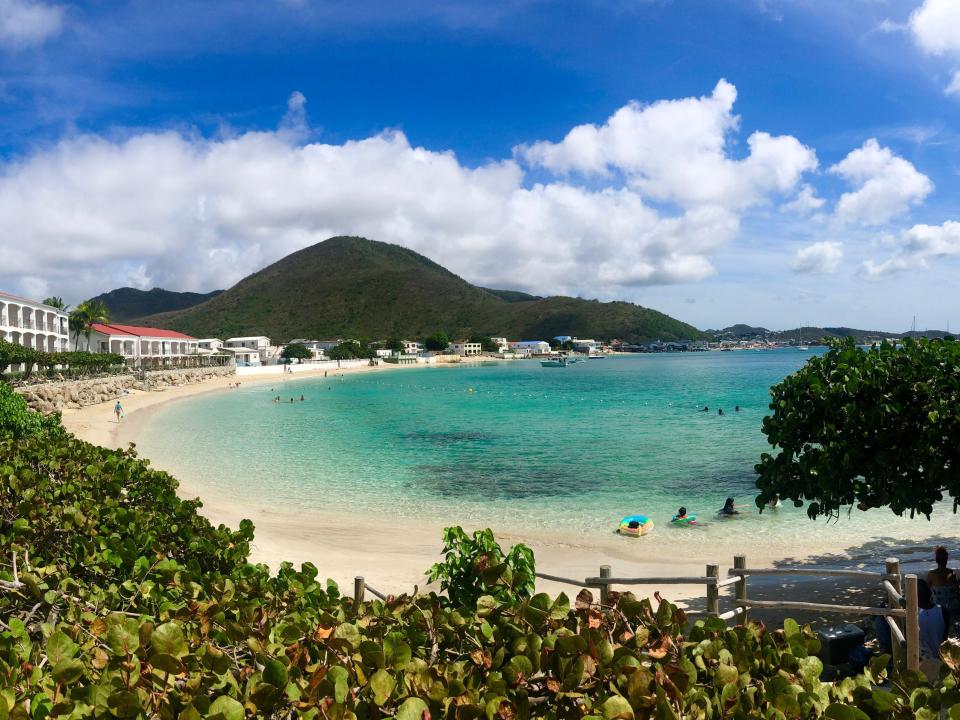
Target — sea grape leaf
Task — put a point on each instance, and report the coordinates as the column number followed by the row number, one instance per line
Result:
column 382, row 683
column 168, row 639
column 227, row 708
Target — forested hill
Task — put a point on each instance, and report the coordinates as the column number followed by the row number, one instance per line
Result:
column 353, row 287
column 127, row 303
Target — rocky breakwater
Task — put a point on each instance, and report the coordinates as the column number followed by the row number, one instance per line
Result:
column 55, row 396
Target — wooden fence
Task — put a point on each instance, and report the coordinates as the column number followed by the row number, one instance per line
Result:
column 901, row 614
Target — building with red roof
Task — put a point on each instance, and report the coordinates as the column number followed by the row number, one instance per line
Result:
column 141, row 346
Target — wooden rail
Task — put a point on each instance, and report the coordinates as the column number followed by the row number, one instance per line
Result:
column 901, row 605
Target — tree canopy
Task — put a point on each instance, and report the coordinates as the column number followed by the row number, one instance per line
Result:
column 296, row 351
column 867, row 428
column 486, row 343
column 437, row 342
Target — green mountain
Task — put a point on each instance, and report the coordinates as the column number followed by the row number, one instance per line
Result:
column 128, row 303
column 353, row 287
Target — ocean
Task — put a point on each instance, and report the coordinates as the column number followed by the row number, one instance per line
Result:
column 553, row 451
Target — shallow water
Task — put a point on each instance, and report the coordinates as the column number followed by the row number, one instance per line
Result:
column 563, row 451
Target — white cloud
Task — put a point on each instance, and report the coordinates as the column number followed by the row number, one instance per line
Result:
column 677, row 151
column 27, row 22
column 820, row 258
column 917, row 246
column 187, row 212
column 805, row 201
column 886, row 185
column 954, row 87
column 936, row 26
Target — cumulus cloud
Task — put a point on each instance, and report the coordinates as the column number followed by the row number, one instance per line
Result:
column 193, row 213
column 27, row 22
column 820, row 258
column 885, row 185
column 936, row 26
column 917, row 246
column 805, row 201
column 676, row 150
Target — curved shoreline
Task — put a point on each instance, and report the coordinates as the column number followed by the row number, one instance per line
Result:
column 394, row 558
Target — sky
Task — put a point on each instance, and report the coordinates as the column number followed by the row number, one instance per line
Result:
column 771, row 162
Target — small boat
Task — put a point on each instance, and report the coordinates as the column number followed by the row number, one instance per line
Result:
column 562, row 362
column 595, row 356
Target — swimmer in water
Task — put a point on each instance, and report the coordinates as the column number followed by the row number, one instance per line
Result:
column 729, row 508
column 720, row 411
column 736, row 409
column 706, row 409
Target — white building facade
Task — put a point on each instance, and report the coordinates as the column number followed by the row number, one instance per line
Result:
column 242, row 346
column 33, row 324
column 530, row 347
column 141, row 346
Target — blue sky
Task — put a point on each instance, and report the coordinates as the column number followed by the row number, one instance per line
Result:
column 771, row 162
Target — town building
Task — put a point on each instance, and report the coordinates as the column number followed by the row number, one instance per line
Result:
column 254, row 349
column 33, row 324
column 501, row 343
column 142, row 346
column 412, row 348
column 465, row 349
column 530, row 347
column 210, row 345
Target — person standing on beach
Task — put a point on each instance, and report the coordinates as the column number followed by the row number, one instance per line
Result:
column 118, row 411
column 944, row 585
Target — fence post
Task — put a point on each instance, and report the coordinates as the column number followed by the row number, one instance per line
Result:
column 359, row 588
column 892, row 568
column 604, row 589
column 713, row 592
column 912, row 633
column 740, row 563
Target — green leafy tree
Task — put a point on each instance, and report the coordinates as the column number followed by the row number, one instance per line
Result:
column 867, row 429
column 84, row 316
column 476, row 566
column 349, row 350
column 296, row 351
column 486, row 343
column 394, row 345
column 437, row 342
column 56, row 302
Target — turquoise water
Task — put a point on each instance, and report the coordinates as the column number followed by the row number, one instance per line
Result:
column 510, row 444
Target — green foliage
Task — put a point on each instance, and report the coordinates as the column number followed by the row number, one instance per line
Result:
column 68, row 363
column 870, row 428
column 394, row 345
column 349, row 350
column 486, row 343
column 56, row 302
column 296, row 351
column 353, row 287
column 132, row 605
column 85, row 315
column 437, row 342
column 17, row 420
column 476, row 566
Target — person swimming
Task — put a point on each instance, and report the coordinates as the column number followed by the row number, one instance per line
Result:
column 706, row 409
column 729, row 507
column 301, row 398
column 720, row 411
column 736, row 408
column 683, row 518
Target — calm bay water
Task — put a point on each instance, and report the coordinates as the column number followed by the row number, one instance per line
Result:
column 510, row 444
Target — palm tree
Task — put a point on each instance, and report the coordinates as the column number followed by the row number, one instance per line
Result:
column 57, row 302
column 84, row 316
column 96, row 312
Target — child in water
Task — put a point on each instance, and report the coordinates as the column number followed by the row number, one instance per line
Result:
column 682, row 517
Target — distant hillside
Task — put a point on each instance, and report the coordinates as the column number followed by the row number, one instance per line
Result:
column 512, row 295
column 128, row 303
column 812, row 334
column 353, row 287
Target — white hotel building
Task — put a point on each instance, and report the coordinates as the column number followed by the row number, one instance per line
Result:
column 143, row 346
column 33, row 324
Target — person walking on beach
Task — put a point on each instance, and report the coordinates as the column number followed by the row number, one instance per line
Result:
column 118, row 411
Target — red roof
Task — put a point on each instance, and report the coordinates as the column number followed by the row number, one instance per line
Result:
column 138, row 331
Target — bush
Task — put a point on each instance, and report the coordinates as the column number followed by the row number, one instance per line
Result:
column 476, row 566
column 76, row 363
column 132, row 605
